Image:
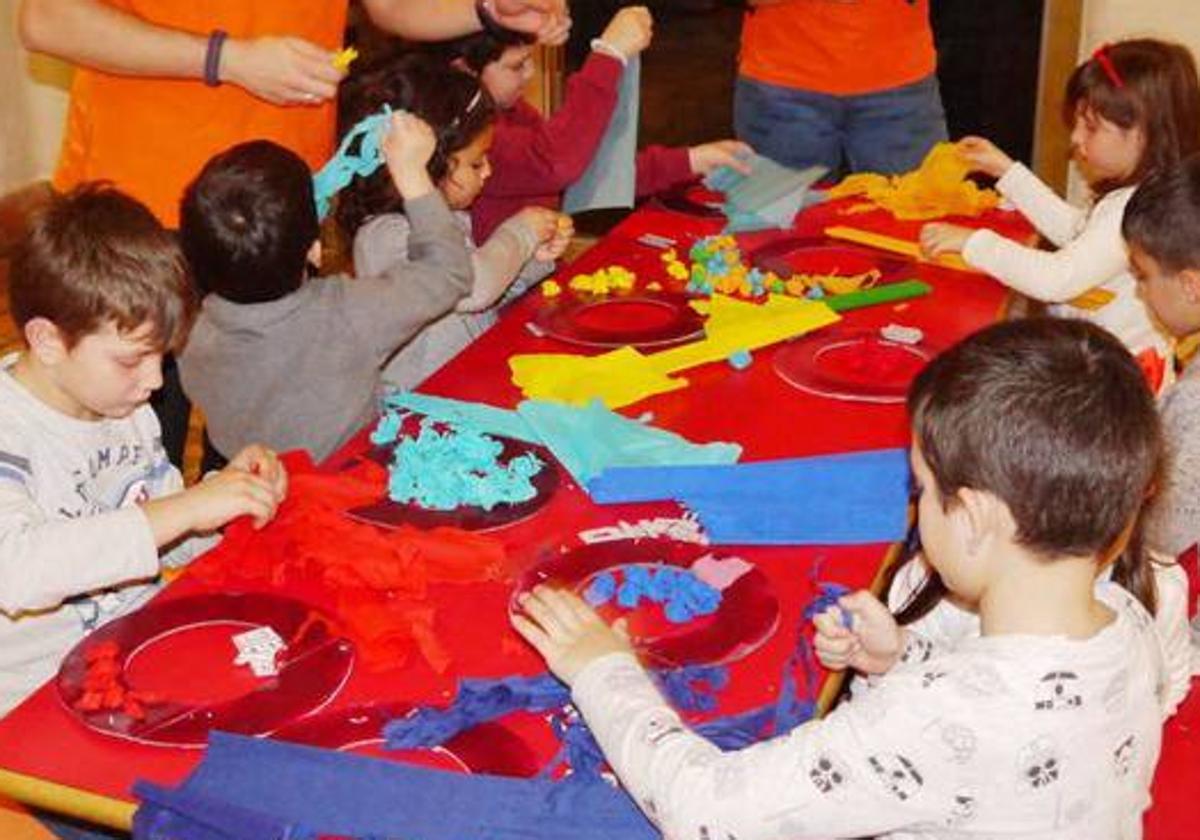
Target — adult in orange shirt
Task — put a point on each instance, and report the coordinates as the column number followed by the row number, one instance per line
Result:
column 848, row 84
column 163, row 85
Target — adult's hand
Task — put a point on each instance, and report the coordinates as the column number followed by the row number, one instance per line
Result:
column 281, row 70
column 548, row 19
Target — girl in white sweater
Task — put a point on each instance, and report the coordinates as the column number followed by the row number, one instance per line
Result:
column 1134, row 109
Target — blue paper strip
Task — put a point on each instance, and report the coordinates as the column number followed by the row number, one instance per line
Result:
column 827, row 500
column 611, row 178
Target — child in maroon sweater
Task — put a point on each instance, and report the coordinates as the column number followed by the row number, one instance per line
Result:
column 535, row 158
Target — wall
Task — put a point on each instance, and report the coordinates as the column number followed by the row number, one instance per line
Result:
column 33, row 102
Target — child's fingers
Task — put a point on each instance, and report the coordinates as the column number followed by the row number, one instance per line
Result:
column 829, row 622
column 539, row 605
column 531, row 633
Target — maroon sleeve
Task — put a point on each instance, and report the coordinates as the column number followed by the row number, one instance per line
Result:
column 538, row 156
column 662, row 167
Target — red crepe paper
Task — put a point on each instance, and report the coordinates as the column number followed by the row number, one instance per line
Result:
column 104, row 685
column 375, row 581
column 1154, row 368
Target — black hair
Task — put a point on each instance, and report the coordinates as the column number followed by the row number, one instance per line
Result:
column 248, row 221
column 480, row 49
column 1147, row 84
column 1163, row 217
column 1054, row 418
column 453, row 102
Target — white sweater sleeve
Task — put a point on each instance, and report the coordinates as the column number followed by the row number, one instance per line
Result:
column 1090, row 259
column 1171, row 622
column 799, row 785
column 45, row 561
column 1054, row 217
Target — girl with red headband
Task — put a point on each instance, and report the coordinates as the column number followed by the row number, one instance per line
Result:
column 1134, row 109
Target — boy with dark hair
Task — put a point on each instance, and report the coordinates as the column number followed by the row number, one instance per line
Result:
column 290, row 360
column 1045, row 724
column 88, row 498
column 1162, row 229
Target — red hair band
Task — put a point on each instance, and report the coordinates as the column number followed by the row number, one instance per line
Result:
column 1105, row 61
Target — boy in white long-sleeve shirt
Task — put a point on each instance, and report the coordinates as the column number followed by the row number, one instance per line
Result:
column 88, row 499
column 1046, row 725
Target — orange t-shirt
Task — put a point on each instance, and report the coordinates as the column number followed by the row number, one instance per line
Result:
column 839, row 47
column 151, row 136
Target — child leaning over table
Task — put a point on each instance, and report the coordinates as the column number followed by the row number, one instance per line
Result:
column 1048, row 724
column 516, row 255
column 289, row 359
column 1134, row 109
column 535, row 158
column 1162, row 229
column 90, row 507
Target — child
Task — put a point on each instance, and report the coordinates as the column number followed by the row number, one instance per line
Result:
column 293, row 360
column 88, row 499
column 518, row 253
column 1134, row 108
column 1162, row 228
column 1047, row 726
column 533, row 158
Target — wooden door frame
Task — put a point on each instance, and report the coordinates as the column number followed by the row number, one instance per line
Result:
column 1062, row 26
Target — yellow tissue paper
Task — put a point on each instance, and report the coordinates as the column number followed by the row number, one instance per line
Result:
column 939, row 187
column 624, row 376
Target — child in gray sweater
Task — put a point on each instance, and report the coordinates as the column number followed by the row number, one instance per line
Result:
column 283, row 358
column 1162, row 229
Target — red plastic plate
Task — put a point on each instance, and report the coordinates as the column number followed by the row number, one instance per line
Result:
column 747, row 616
column 814, row 255
column 491, row 748
column 181, row 649
column 856, row 365
column 692, row 200
column 638, row 319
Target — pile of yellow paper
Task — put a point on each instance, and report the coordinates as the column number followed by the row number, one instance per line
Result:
column 938, row 188
column 624, row 376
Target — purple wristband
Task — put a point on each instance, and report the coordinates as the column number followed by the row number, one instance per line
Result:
column 212, row 57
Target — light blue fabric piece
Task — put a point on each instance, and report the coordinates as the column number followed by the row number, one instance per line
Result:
column 345, row 165
column 769, row 197
column 593, row 438
column 477, row 415
column 845, row 499
column 611, row 178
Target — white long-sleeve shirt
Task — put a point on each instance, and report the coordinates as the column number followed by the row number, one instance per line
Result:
column 75, row 548
column 1090, row 255
column 999, row 737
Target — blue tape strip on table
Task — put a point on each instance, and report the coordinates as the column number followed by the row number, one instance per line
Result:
column 843, row 499
column 266, row 784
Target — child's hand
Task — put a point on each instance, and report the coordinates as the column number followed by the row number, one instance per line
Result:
column 939, row 238
column 872, row 643
column 984, row 156
column 708, row 156
column 553, row 248
column 568, row 633
column 258, row 460
column 407, row 148
column 542, row 222
column 630, row 30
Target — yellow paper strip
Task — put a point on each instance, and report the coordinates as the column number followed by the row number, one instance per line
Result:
column 1093, row 299
column 895, row 246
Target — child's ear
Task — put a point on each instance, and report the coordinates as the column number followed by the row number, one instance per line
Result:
column 314, row 255
column 45, row 341
column 983, row 518
column 1189, row 281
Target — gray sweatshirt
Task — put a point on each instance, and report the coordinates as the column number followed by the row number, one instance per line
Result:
column 1174, row 520
column 302, row 372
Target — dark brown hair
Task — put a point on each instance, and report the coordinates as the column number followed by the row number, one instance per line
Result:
column 247, row 222
column 94, row 255
column 1157, row 93
column 453, row 102
column 1163, row 216
column 1053, row 417
column 480, row 49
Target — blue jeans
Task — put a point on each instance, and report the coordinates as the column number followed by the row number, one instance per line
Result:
column 889, row 131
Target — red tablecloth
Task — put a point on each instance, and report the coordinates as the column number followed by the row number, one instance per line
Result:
column 753, row 407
